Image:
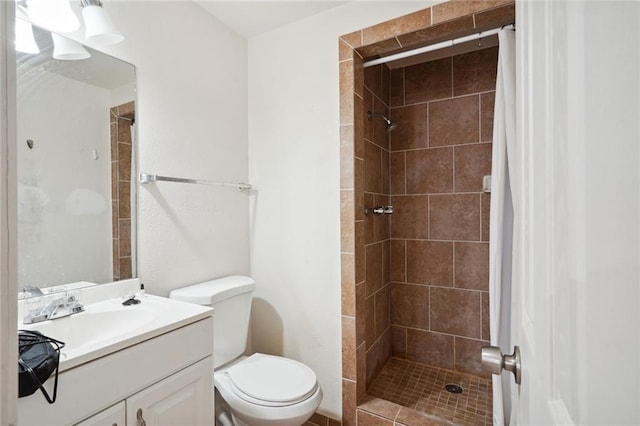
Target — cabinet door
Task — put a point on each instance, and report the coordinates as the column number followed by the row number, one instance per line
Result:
column 112, row 416
column 185, row 398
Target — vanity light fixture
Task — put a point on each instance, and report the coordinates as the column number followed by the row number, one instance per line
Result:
column 99, row 28
column 66, row 49
column 25, row 42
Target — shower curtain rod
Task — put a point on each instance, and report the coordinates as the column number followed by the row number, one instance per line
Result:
column 146, row 178
column 436, row 46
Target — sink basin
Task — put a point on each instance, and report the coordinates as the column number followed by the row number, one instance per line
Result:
column 108, row 326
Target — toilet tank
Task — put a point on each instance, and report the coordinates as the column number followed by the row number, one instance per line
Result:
column 231, row 299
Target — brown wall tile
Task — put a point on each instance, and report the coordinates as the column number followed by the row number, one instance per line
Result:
column 373, row 79
column 455, row 311
column 410, row 216
column 380, row 133
column 124, row 236
column 124, row 131
column 353, row 39
column 399, row 341
column 124, row 202
column 429, row 170
column 349, row 347
column 454, row 9
column 367, row 419
column 358, row 170
column 496, row 17
column 411, row 417
column 348, row 284
column 475, row 71
column 379, row 47
column 486, row 206
column 398, row 260
column 344, row 51
column 373, row 168
column 410, row 305
column 346, row 92
column 487, row 105
column 125, row 268
column 391, row 28
column 374, row 268
column 349, row 402
column 346, row 157
column 469, row 356
column 472, row 265
column 396, row 87
column 382, row 310
column 380, row 407
column 454, row 121
column 124, row 161
column 386, row 273
column 347, row 221
column 361, row 319
column 369, row 219
column 473, row 162
column 430, row 262
column 381, row 222
column 397, row 173
column 428, row 81
column 359, row 118
column 385, row 93
column 454, row 217
column 370, row 318
column 385, row 171
column 439, row 32
column 360, row 252
column 367, row 105
column 412, row 127
column 378, row 355
column 430, row 348
column 486, row 335
column 361, row 356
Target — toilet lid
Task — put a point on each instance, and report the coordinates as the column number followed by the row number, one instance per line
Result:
column 272, row 380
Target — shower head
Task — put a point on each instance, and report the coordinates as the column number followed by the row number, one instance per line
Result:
column 390, row 124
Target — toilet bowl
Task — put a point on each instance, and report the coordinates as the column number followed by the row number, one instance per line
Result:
column 266, row 390
column 258, row 390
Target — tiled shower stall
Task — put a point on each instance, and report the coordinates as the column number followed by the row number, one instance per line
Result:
column 415, row 283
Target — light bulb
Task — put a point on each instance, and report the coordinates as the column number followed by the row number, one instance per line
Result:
column 68, row 50
column 98, row 26
column 24, row 38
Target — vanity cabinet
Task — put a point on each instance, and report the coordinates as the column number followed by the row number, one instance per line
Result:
column 112, row 416
column 184, row 398
column 168, row 377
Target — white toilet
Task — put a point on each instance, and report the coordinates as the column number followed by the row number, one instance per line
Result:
column 259, row 390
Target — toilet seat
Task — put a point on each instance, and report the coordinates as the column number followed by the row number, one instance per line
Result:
column 272, row 381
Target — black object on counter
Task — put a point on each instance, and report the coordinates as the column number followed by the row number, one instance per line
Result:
column 39, row 357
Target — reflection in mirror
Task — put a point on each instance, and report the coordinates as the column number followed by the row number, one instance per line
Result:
column 76, row 169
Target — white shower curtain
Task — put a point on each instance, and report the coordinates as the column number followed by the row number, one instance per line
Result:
column 501, row 220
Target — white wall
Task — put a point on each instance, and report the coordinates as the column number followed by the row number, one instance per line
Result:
column 64, row 193
column 294, row 164
column 191, row 122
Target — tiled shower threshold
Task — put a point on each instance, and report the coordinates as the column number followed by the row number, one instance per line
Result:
column 409, row 394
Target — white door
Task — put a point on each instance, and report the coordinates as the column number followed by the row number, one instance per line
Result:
column 576, row 266
column 185, row 398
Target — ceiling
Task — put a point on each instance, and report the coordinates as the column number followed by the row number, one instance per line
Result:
column 250, row 18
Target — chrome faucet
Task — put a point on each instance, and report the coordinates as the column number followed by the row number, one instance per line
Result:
column 57, row 308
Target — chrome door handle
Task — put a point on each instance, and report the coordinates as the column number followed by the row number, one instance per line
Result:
column 494, row 361
column 140, row 419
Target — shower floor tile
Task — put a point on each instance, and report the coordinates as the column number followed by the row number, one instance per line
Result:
column 421, row 388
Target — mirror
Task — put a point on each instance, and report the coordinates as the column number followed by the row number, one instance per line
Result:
column 75, row 170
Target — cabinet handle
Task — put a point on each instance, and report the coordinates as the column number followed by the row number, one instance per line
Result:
column 141, row 421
